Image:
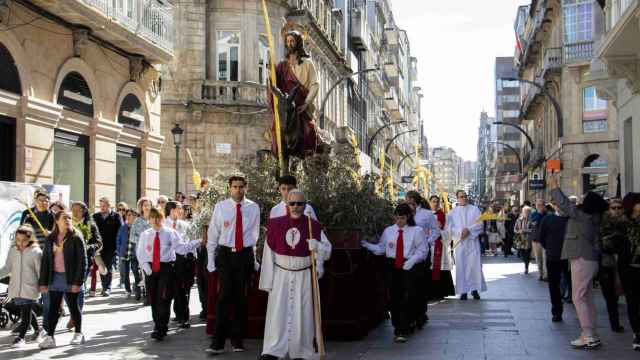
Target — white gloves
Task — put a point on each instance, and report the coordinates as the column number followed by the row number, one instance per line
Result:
column 256, row 265
column 365, row 244
column 314, row 244
column 408, row 264
column 320, row 268
column 211, row 266
column 146, row 268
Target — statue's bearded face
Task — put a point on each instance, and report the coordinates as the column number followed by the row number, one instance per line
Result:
column 291, row 44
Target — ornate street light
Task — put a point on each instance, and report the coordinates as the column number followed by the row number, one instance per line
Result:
column 177, row 132
column 333, row 87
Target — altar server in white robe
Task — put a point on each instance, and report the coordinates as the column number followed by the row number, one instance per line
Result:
column 286, row 275
column 464, row 228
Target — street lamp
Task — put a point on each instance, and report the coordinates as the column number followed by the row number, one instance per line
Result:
column 403, row 159
column 386, row 148
column 333, row 87
column 529, row 140
column 514, row 151
column 177, row 141
column 378, row 132
column 553, row 100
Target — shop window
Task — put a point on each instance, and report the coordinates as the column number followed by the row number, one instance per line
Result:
column 74, row 94
column 71, row 163
column 128, row 167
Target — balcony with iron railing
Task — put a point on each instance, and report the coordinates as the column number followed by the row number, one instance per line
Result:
column 234, row 93
column 144, row 27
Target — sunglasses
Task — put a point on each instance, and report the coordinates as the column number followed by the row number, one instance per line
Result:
column 121, row 209
column 297, row 203
column 616, row 208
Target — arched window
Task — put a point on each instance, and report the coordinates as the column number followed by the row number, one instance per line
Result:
column 131, row 113
column 74, row 94
column 9, row 77
column 595, row 174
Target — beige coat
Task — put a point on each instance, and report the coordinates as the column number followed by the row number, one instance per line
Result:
column 24, row 269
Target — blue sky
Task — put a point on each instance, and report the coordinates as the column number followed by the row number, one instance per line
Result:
column 456, row 43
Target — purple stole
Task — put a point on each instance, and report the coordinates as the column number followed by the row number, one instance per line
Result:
column 288, row 236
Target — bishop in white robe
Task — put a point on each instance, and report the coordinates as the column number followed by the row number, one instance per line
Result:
column 464, row 228
column 286, row 276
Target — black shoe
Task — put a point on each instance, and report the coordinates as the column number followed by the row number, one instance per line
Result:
column 268, row 357
column 184, row 325
column 556, row 318
column 203, row 315
column 475, row 295
column 617, row 328
column 155, row 335
column 463, row 297
column 238, row 346
column 214, row 350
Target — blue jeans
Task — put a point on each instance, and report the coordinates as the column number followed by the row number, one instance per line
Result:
column 125, row 268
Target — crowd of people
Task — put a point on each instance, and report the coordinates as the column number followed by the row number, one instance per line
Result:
column 577, row 244
column 57, row 250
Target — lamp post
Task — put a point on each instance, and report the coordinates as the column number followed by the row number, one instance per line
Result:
column 514, row 151
column 529, row 140
column 386, row 148
column 403, row 159
column 553, row 100
column 370, row 143
column 177, row 132
column 333, row 87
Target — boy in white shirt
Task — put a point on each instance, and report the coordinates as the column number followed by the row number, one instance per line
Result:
column 404, row 246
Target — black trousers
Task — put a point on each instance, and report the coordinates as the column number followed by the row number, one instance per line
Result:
column 27, row 317
column 507, row 245
column 526, row 258
column 160, row 289
column 405, row 299
column 234, row 271
column 201, row 277
column 55, row 300
column 184, row 268
column 630, row 278
column 422, row 277
column 556, row 268
column 106, row 279
column 607, row 279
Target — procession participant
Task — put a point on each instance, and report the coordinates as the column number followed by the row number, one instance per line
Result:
column 464, row 228
column 43, row 215
column 494, row 228
column 441, row 280
column 184, row 265
column 232, row 234
column 63, row 271
column 404, row 246
column 297, row 71
column 109, row 223
column 156, row 253
column 285, row 275
column 425, row 219
column 287, row 183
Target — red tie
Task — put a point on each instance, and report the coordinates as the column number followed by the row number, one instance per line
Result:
column 155, row 263
column 174, row 225
column 399, row 251
column 239, row 242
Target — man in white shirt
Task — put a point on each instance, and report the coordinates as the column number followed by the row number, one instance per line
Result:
column 156, row 253
column 464, row 226
column 232, row 235
column 184, row 265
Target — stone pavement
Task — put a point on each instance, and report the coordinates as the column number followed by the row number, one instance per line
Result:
column 512, row 321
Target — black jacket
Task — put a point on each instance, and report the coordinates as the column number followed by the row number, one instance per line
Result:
column 75, row 259
column 551, row 231
column 108, row 227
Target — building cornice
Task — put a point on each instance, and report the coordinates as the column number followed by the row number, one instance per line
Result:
column 40, row 112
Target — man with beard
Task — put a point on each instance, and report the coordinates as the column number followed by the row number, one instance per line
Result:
column 297, row 74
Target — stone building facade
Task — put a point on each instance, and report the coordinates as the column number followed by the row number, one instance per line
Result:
column 80, row 95
column 556, row 48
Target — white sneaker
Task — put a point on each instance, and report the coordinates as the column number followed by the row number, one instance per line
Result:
column 18, row 343
column 48, row 343
column 589, row 342
column 78, row 339
column 41, row 335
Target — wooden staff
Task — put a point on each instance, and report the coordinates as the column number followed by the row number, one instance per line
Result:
column 317, row 315
column 272, row 57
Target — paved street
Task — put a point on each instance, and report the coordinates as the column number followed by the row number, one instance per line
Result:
column 511, row 322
